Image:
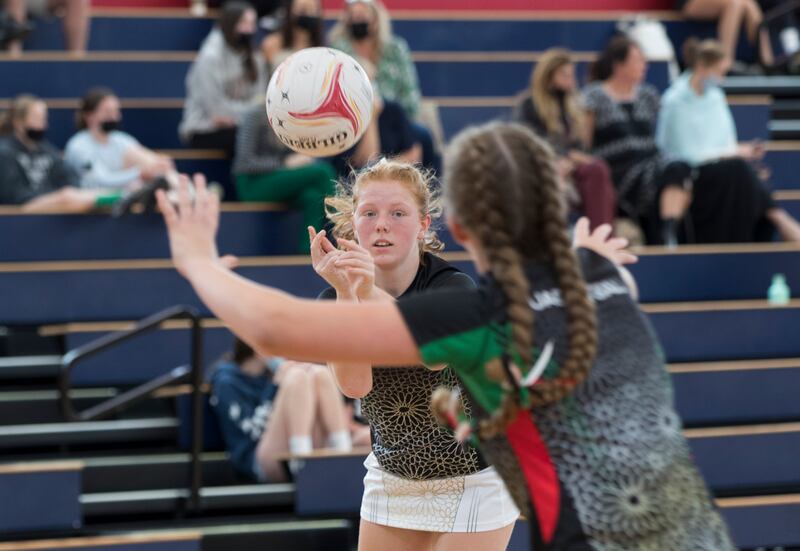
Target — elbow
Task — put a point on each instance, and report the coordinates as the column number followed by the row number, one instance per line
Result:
column 355, row 391
column 352, row 385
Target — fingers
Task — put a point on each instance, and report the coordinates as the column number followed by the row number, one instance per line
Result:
column 184, row 200
column 581, row 228
column 624, row 257
column 347, row 259
column 167, row 210
column 349, row 245
column 362, row 274
column 327, row 246
column 316, row 248
column 602, row 232
column 230, row 261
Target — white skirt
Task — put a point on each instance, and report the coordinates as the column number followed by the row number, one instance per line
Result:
column 474, row 503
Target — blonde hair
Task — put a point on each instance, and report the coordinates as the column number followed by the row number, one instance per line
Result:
column 17, row 111
column 705, row 53
column 341, row 207
column 545, row 102
column 382, row 19
column 501, row 183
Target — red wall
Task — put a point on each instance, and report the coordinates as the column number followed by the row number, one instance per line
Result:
column 515, row 5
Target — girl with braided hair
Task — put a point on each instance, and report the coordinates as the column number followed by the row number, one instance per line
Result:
column 563, row 373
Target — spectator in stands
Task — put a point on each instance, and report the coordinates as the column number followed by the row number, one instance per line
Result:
column 266, row 170
column 268, row 408
column 551, row 107
column 364, row 30
column 390, row 134
column 75, row 14
column 105, row 156
column 32, row 172
column 620, row 124
column 695, row 125
column 302, row 28
column 224, row 80
column 731, row 17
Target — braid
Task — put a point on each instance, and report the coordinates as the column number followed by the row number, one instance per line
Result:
column 507, row 193
column 492, row 223
column 582, row 325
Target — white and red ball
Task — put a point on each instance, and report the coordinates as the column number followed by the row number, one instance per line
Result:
column 319, row 101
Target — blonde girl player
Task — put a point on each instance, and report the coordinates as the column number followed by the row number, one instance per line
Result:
column 592, row 450
column 422, row 490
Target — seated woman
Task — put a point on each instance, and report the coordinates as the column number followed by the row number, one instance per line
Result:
column 266, row 170
column 268, row 408
column 696, row 125
column 652, row 189
column 106, row 157
column 225, row 79
column 364, row 30
column 32, row 171
column 551, row 108
column 302, row 28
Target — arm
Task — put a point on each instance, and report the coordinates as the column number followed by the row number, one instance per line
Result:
column 209, row 89
column 93, row 172
column 251, row 158
column 588, row 130
column 66, row 199
column 273, row 322
column 407, row 92
column 351, row 281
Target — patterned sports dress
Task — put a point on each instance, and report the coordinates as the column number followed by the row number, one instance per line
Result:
column 607, row 468
column 418, row 477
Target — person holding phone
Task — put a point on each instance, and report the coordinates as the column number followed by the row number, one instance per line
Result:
column 695, row 125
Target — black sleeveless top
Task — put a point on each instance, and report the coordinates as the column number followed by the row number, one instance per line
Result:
column 407, row 441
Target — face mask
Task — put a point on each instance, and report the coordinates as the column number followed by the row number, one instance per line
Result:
column 245, row 40
column 35, row 134
column 109, row 126
column 359, row 31
column 712, row 82
column 307, row 22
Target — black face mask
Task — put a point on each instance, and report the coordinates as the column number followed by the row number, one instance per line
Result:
column 245, row 40
column 308, row 23
column 359, row 31
column 35, row 134
column 109, row 126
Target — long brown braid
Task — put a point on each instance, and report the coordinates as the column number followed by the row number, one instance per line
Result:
column 501, row 184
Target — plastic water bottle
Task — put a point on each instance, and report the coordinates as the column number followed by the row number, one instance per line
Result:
column 779, row 293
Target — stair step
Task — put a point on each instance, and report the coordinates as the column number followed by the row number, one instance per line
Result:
column 167, row 501
column 91, row 432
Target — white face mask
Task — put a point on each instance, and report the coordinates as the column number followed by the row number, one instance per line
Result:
column 712, row 81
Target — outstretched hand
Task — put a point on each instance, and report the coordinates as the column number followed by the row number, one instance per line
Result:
column 613, row 248
column 359, row 268
column 192, row 227
column 349, row 270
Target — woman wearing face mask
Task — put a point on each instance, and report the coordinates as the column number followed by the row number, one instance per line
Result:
column 301, row 29
column 104, row 156
column 551, row 108
column 224, row 80
column 364, row 31
column 695, row 125
column 32, row 172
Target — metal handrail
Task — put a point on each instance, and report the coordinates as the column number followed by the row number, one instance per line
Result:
column 125, row 400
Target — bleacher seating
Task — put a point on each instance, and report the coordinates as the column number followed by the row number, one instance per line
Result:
column 734, row 359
